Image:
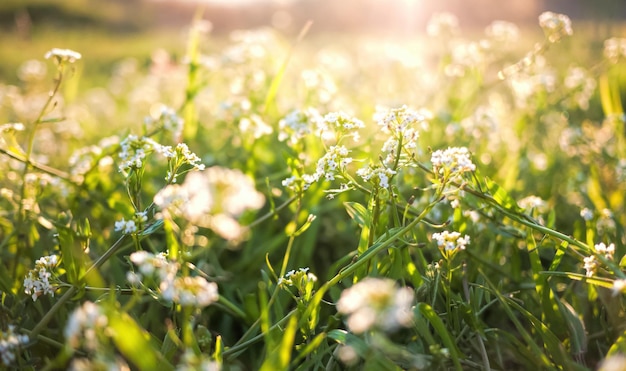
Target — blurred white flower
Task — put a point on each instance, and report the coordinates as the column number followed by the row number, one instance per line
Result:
column 63, row 55
column 10, row 344
column 85, row 326
column 376, row 303
column 213, row 198
column 555, row 26
column 442, row 25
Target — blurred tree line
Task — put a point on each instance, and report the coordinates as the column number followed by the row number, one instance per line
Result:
column 328, row 15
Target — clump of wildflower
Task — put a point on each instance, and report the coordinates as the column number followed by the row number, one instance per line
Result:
column 37, row 281
column 302, row 280
column 376, row 303
column 590, row 265
column 615, row 49
column 133, row 225
column 10, row 344
column 451, row 241
column 190, row 291
column 186, row 291
column 182, row 156
column 298, row 124
column 401, row 124
column 377, row 175
column 62, row 55
column 586, row 214
column 503, row 32
column 533, row 203
column 254, row 124
column 454, row 161
column 86, row 327
column 212, row 198
column 166, row 118
column 32, row 70
column 582, row 86
column 605, row 222
column 607, row 251
column 442, row 25
column 134, row 151
column 555, row 26
column 337, row 125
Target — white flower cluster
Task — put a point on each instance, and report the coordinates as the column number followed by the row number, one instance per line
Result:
column 503, row 32
column 451, row 241
column 607, row 251
column 302, row 280
column 555, row 26
column 378, row 175
column 590, row 265
column 167, row 118
column 10, row 344
column 401, row 124
column 213, row 199
column 84, row 159
column 442, row 24
column 336, row 125
column 586, row 214
column 61, row 55
column 186, row 291
column 533, row 203
column 298, row 124
column 37, row 281
column 134, row 150
column 455, row 160
column 467, row 56
column 582, row 86
column 254, row 124
column 376, row 303
column 85, row 327
column 615, row 49
column 133, row 225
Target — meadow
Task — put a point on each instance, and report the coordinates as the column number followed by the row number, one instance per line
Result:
column 445, row 202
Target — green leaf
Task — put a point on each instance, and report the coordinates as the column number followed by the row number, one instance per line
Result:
column 278, row 359
column 597, row 281
column 134, row 342
column 429, row 313
column 358, row 213
column 501, row 196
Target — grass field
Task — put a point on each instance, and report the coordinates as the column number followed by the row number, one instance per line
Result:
column 453, row 201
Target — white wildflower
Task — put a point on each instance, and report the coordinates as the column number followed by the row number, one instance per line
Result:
column 590, row 265
column 10, row 344
column 376, row 303
column 607, row 251
column 37, row 281
column 456, row 160
column 85, row 327
column 586, row 214
column 555, row 26
column 443, row 24
column 63, row 55
column 451, row 241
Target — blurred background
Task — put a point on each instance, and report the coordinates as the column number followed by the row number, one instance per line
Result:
column 107, row 30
